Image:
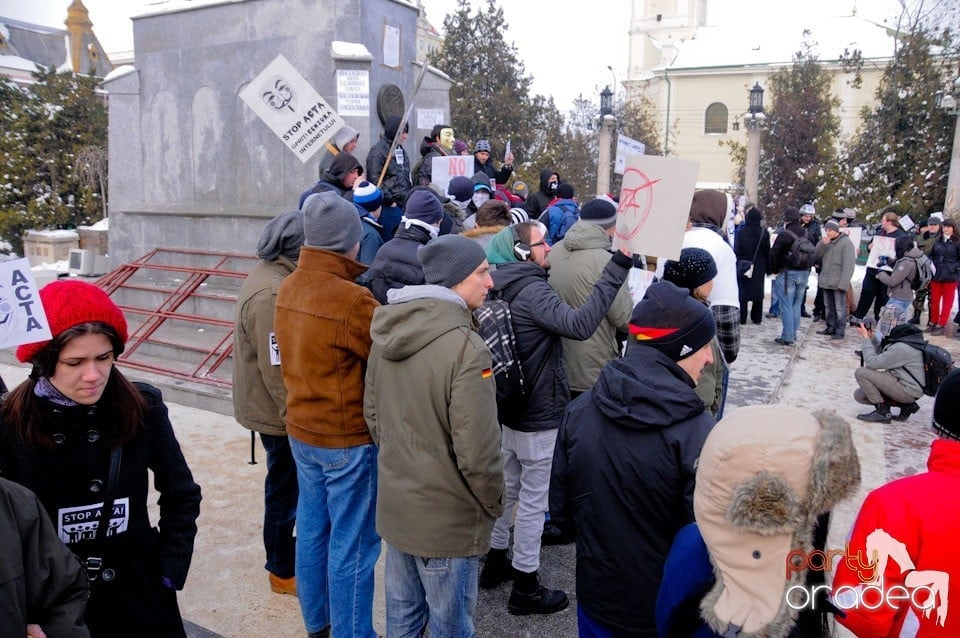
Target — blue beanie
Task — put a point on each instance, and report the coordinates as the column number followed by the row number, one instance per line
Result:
column 368, row 196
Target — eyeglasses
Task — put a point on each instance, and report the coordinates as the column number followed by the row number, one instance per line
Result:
column 542, row 242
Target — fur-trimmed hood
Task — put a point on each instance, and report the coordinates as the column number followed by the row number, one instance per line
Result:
column 765, row 473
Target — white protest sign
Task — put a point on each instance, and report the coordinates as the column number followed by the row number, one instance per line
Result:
column 286, row 102
column 353, row 93
column 655, row 204
column 625, row 148
column 906, row 223
column 638, row 280
column 854, row 233
column 21, row 314
column 881, row 246
column 447, row 167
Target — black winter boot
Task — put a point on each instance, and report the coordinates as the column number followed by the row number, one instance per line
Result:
column 906, row 409
column 496, row 569
column 915, row 320
column 530, row 597
column 880, row 415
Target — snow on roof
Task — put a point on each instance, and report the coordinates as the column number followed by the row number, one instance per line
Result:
column 16, row 62
column 29, row 26
column 119, row 72
column 720, row 46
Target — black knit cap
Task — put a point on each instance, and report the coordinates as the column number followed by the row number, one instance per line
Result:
column 672, row 321
column 694, row 268
column 946, row 415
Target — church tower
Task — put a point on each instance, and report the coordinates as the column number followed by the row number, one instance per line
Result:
column 655, row 26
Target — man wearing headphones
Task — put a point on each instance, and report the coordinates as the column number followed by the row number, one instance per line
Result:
column 540, row 319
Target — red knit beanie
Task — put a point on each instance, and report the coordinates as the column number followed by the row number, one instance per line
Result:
column 70, row 302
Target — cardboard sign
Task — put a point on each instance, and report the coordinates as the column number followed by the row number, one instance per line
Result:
column 286, row 102
column 22, row 319
column 655, row 204
column 881, row 246
column 854, row 233
column 625, row 148
column 450, row 166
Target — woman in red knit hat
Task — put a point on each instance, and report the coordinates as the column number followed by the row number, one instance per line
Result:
column 83, row 437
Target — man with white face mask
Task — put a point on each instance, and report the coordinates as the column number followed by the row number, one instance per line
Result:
column 396, row 264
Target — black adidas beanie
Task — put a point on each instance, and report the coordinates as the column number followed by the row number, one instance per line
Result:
column 670, row 320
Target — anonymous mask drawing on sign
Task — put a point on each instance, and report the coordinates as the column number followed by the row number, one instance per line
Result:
column 278, row 94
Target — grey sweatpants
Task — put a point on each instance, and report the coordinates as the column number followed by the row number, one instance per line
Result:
column 879, row 386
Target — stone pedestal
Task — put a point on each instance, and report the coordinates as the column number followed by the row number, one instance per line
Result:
column 49, row 246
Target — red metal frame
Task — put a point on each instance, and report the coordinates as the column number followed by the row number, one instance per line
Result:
column 214, row 355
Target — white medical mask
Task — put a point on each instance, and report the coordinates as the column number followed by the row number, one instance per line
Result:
column 480, row 197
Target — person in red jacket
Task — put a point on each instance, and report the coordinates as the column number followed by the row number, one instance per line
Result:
column 901, row 567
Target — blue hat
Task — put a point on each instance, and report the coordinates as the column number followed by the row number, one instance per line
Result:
column 368, row 196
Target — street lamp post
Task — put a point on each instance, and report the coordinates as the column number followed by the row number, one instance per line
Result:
column 607, row 121
column 754, row 117
column 951, row 205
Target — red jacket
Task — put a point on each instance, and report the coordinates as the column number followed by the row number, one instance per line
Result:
column 322, row 324
column 911, row 520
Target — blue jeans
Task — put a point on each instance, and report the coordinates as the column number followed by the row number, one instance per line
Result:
column 793, row 284
column 337, row 543
column 439, row 592
column 280, row 495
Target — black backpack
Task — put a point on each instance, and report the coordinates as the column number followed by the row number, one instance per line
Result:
column 496, row 327
column 937, row 362
column 801, row 255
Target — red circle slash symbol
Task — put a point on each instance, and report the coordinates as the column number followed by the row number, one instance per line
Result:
column 636, row 202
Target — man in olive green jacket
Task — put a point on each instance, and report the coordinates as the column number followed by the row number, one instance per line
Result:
column 430, row 404
column 576, row 264
column 836, row 258
column 259, row 396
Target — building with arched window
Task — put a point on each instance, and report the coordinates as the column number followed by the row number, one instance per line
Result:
column 698, row 75
column 715, row 118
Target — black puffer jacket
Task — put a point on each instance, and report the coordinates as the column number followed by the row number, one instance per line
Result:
column 396, row 182
column 540, row 320
column 70, row 479
column 396, row 264
column 623, row 477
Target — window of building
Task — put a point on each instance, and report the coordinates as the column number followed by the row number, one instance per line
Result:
column 715, row 119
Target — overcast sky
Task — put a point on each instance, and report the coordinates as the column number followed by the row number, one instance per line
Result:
column 566, row 45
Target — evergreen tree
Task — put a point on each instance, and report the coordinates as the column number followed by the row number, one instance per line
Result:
column 901, row 155
column 43, row 128
column 799, row 142
column 490, row 98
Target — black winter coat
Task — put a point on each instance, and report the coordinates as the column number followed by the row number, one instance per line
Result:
column 540, row 320
column 396, row 182
column 623, row 476
column 745, row 246
column 946, row 257
column 540, row 200
column 781, row 247
column 128, row 597
column 500, row 176
column 396, row 264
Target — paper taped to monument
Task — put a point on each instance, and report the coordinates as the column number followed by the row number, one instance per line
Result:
column 655, row 205
column 22, row 319
column 286, row 102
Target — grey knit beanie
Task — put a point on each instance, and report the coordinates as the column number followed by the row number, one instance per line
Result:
column 331, row 222
column 449, row 259
column 283, row 235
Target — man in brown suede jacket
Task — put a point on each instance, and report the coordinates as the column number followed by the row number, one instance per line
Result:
column 322, row 325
